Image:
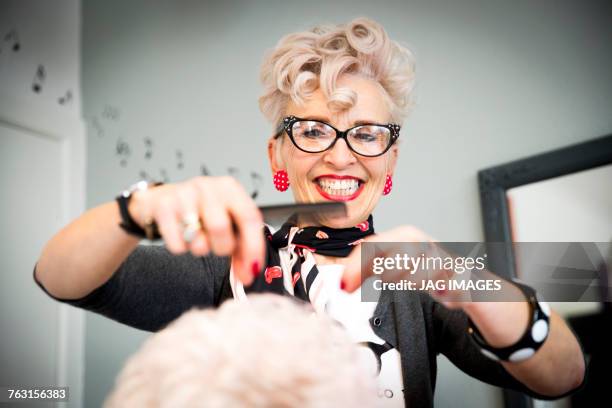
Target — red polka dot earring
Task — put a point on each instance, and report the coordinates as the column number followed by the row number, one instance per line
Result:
column 281, row 180
column 388, row 185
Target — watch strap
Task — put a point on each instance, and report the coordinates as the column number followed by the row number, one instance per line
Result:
column 150, row 231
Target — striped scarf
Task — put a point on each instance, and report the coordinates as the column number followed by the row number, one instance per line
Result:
column 302, row 243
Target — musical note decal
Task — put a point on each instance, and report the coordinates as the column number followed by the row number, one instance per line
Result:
column 256, row 181
column 66, row 99
column 13, row 38
column 143, row 175
column 95, row 124
column 234, row 172
column 157, row 167
column 179, row 158
column 111, row 113
column 39, row 79
column 164, row 175
column 123, row 150
column 148, row 148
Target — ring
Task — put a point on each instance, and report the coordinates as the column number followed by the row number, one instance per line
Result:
column 191, row 224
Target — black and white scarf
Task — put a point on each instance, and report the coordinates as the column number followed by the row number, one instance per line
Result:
column 302, row 243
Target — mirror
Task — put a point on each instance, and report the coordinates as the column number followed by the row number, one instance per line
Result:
column 560, row 196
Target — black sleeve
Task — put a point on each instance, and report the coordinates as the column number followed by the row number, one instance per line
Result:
column 153, row 287
column 455, row 343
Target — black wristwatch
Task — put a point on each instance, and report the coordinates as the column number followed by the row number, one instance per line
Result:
column 128, row 224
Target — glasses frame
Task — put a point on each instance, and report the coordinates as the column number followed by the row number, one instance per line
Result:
column 289, row 121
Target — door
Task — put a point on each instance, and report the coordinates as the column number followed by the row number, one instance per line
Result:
column 41, row 173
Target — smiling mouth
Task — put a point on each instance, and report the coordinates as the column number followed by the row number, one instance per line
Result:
column 339, row 188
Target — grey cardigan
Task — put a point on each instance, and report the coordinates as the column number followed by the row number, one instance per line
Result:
column 152, row 288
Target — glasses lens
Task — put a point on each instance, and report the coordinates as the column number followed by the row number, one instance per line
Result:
column 312, row 136
column 369, row 140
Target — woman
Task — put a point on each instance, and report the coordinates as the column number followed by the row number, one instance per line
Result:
column 348, row 82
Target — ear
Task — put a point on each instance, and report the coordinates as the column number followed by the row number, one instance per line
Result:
column 273, row 148
column 393, row 155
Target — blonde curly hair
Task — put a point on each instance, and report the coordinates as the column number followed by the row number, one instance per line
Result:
column 270, row 351
column 305, row 61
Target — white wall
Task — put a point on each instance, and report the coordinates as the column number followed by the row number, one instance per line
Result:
column 497, row 80
column 47, row 34
column 42, row 174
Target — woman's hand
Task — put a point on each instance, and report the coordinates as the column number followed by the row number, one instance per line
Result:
column 395, row 242
column 555, row 369
column 231, row 222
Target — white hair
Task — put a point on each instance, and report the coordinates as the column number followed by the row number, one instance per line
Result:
column 267, row 352
column 306, row 61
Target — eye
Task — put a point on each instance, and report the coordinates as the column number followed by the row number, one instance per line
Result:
column 311, row 130
column 365, row 137
column 312, row 133
column 370, row 134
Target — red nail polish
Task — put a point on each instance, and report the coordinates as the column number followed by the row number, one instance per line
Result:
column 255, row 269
column 342, row 285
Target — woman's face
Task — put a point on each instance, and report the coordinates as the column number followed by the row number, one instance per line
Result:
column 317, row 177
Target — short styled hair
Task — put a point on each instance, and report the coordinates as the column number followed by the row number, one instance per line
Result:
column 269, row 351
column 303, row 62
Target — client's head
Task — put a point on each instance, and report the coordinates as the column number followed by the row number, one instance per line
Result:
column 270, row 351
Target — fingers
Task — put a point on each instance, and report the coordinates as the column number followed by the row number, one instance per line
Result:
column 210, row 214
column 193, row 235
column 165, row 214
column 233, row 225
column 394, row 242
column 250, row 251
column 200, row 245
column 404, row 263
column 356, row 271
column 216, row 221
column 351, row 277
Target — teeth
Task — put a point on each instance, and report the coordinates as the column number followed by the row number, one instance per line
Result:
column 338, row 187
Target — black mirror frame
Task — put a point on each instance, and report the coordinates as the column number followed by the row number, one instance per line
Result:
column 495, row 181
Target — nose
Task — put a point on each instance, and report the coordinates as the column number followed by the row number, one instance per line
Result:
column 339, row 155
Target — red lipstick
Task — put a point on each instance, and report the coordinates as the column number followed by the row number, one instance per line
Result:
column 338, row 197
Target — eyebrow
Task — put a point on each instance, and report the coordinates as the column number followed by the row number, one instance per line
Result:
column 355, row 123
